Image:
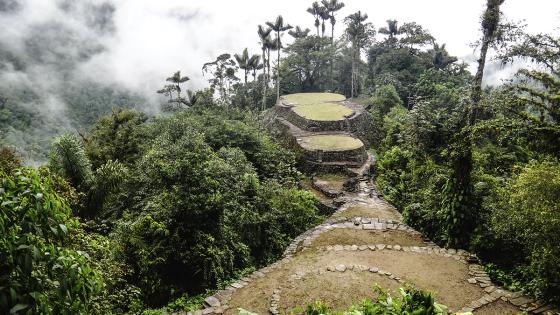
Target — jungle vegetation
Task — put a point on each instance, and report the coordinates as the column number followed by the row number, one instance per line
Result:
column 137, row 213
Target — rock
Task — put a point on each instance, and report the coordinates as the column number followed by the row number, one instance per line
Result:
column 354, row 247
column 338, row 248
column 370, row 226
column 521, row 300
column 363, row 247
column 340, row 268
column 212, row 301
column 380, row 246
column 373, row 269
column 471, row 280
column 397, row 247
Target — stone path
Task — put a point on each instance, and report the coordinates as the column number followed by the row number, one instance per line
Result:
column 364, row 242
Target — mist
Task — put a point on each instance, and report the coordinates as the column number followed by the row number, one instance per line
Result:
column 51, row 50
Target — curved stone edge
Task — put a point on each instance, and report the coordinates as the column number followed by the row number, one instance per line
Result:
column 340, row 268
column 219, row 302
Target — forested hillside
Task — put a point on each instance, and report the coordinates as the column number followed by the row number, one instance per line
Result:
column 128, row 209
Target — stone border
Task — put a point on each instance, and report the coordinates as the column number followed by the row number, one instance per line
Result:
column 340, row 268
column 219, row 302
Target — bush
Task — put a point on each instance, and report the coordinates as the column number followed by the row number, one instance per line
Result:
column 40, row 272
column 529, row 213
column 209, row 196
column 410, row 301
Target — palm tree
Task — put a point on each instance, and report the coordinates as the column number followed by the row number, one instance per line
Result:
column 314, row 10
column 332, row 7
column 243, row 62
column 254, row 64
column 176, row 79
column 264, row 35
column 324, row 15
column 299, row 33
column 392, row 30
column 278, row 27
column 359, row 34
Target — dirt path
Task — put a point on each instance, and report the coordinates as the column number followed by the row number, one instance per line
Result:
column 362, row 244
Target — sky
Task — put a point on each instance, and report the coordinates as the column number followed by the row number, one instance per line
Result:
column 144, row 41
column 157, row 37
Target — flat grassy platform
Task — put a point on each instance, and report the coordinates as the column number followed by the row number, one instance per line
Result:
column 330, row 142
column 323, row 111
column 313, row 98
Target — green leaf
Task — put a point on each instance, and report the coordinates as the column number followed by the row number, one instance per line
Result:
column 18, row 307
column 63, row 228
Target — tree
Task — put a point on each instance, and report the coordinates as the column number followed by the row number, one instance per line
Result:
column 314, row 10
column 359, row 34
column 223, row 75
column 308, row 59
column 323, row 15
column 243, row 62
column 332, row 7
column 265, row 40
column 391, row 30
column 278, row 27
column 298, row 32
column 175, row 87
column 459, row 199
column 441, row 58
column 69, row 160
column 254, row 64
column 414, row 34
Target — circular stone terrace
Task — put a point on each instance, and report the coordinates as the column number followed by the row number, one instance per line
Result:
column 319, row 106
column 330, row 142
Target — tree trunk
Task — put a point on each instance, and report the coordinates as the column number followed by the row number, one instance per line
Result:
column 461, row 229
column 264, row 80
column 352, row 76
column 278, row 70
column 332, row 59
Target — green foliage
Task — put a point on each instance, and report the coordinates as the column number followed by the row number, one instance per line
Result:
column 115, row 137
column 410, row 301
column 385, row 98
column 68, row 159
column 9, row 159
column 41, row 273
column 210, row 195
column 529, row 213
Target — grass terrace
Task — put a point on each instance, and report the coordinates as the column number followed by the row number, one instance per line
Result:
column 330, row 142
column 323, row 111
column 313, row 98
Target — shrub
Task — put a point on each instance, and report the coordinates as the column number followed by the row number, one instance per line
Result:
column 40, row 272
column 529, row 213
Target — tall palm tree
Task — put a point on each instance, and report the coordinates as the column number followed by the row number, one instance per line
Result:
column 278, row 27
column 314, row 10
column 243, row 62
column 264, row 35
column 392, row 31
column 332, row 7
column 359, row 34
column 298, row 32
column 254, row 64
column 324, row 15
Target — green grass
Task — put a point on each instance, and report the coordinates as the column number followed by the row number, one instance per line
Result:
column 323, row 111
column 313, row 98
column 330, row 143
